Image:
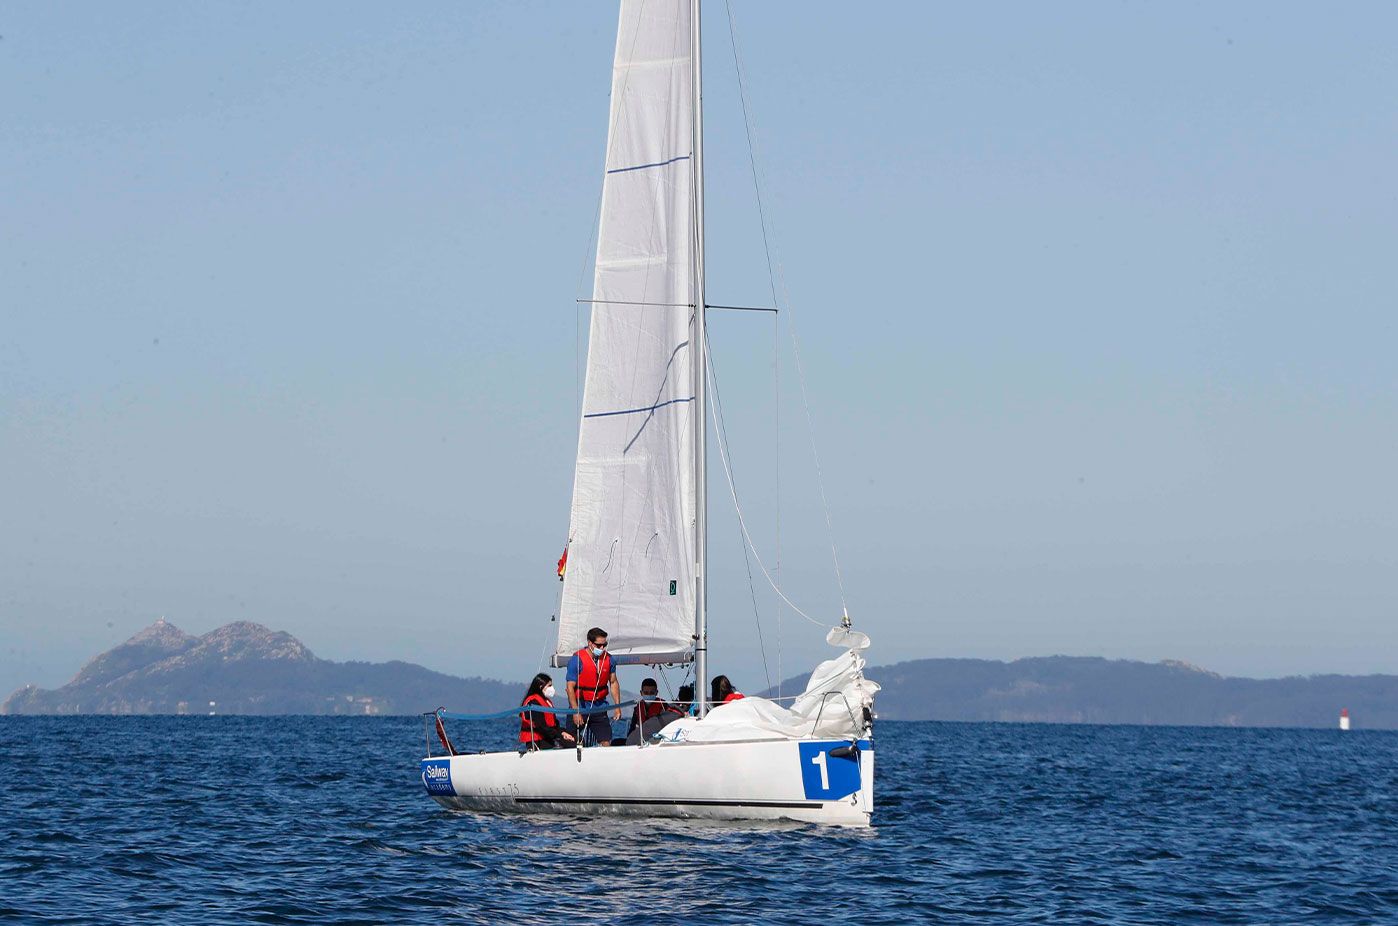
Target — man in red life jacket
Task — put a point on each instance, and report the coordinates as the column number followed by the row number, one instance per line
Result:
column 591, row 678
column 651, row 714
column 650, row 707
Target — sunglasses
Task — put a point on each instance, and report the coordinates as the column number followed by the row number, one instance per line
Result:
column 601, row 644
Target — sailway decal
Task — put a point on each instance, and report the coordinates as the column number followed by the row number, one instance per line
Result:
column 436, row 775
column 827, row 777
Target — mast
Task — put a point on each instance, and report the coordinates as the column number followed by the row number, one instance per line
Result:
column 701, row 480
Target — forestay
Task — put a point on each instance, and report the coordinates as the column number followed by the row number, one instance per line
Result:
column 631, row 533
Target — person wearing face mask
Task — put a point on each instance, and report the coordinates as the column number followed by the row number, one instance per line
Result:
column 591, row 678
column 540, row 729
column 651, row 714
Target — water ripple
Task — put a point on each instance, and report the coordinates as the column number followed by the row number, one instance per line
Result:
column 323, row 820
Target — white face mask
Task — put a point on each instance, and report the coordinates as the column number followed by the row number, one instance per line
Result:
column 548, row 692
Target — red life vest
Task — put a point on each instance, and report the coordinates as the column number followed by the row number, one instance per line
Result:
column 732, row 696
column 593, row 676
column 527, row 733
column 648, row 710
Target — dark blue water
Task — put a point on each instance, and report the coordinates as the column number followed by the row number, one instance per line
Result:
column 286, row 820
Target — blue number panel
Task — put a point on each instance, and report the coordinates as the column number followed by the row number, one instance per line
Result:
column 826, row 777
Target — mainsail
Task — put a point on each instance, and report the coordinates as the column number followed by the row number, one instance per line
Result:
column 631, row 542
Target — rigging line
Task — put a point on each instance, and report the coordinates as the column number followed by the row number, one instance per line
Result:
column 752, row 159
column 722, row 428
column 777, row 477
column 776, row 337
column 748, row 121
column 672, row 689
column 548, row 632
column 742, row 523
column 577, row 367
column 553, row 623
column 815, row 456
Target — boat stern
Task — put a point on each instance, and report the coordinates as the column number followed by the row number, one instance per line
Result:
column 436, row 778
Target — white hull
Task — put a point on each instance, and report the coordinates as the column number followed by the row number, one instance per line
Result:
column 768, row 780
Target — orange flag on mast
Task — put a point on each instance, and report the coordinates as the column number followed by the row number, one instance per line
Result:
column 563, row 564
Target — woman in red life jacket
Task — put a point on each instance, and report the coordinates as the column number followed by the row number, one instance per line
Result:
column 722, row 691
column 540, row 729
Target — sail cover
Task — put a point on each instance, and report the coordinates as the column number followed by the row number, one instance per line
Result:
column 631, row 532
column 833, row 706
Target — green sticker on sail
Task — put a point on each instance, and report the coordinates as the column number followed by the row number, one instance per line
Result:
column 673, row 585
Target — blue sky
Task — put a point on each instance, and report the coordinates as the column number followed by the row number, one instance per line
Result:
column 1096, row 305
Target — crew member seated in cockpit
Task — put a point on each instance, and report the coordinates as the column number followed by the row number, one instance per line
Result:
column 722, row 691
column 540, row 729
column 651, row 714
column 650, row 707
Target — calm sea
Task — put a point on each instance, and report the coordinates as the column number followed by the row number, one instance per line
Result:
column 323, row 820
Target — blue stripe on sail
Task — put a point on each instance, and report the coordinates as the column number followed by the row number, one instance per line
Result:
column 633, row 411
column 622, row 170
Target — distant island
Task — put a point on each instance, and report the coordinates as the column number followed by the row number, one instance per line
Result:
column 1090, row 689
column 245, row 668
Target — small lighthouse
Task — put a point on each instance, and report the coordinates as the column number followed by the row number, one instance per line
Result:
column 1344, row 718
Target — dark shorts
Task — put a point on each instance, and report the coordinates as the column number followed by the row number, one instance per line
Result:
column 596, row 728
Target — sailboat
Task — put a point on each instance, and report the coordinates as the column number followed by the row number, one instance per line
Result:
column 637, row 548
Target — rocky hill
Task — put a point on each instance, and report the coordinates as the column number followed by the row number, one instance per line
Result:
column 1081, row 689
column 245, row 668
